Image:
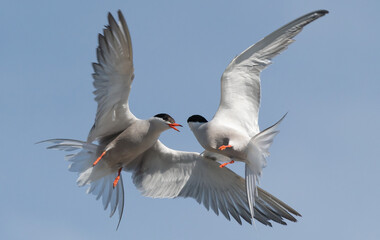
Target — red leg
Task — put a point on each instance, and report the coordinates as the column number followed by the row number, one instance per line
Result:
column 224, row 164
column 224, row 147
column 117, row 178
column 100, row 157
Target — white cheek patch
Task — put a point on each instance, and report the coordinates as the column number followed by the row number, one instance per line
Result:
column 194, row 125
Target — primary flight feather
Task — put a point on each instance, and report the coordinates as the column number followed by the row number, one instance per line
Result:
column 127, row 143
column 234, row 131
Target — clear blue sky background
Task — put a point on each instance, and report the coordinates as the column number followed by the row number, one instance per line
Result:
column 324, row 163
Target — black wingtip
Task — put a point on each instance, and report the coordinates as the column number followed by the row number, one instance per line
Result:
column 321, row 12
column 111, row 19
column 121, row 16
column 109, row 15
column 39, row 142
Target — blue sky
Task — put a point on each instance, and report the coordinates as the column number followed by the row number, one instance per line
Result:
column 324, row 163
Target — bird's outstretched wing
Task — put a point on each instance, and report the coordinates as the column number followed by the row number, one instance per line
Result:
column 113, row 76
column 240, row 82
column 166, row 173
column 98, row 180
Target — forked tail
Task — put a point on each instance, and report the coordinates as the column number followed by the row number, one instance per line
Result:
column 258, row 150
column 99, row 178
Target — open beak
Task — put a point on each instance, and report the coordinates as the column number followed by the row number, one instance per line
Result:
column 174, row 125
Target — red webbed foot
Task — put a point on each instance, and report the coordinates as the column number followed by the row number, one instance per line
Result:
column 224, row 147
column 98, row 159
column 225, row 164
column 117, row 178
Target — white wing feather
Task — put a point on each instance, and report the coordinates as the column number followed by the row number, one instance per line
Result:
column 113, row 75
column 98, row 179
column 166, row 173
column 240, row 82
column 258, row 150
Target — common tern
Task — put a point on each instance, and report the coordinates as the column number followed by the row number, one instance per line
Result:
column 234, row 130
column 130, row 144
column 121, row 136
column 161, row 172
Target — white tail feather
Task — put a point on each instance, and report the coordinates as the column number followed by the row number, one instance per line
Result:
column 258, row 150
column 99, row 178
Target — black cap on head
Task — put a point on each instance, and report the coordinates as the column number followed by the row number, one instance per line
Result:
column 196, row 118
column 166, row 117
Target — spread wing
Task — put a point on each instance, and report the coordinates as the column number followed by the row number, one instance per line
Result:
column 240, row 82
column 166, row 173
column 99, row 180
column 113, row 75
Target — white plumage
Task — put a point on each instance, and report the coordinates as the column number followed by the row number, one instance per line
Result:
column 131, row 144
column 234, row 131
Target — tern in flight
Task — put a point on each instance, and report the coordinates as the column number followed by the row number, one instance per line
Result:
column 234, row 130
column 127, row 143
column 121, row 136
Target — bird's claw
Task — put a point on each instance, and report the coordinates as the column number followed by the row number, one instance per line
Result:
column 98, row 159
column 225, row 164
column 117, row 178
column 224, row 147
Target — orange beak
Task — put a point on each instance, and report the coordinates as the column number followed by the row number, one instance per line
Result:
column 174, row 125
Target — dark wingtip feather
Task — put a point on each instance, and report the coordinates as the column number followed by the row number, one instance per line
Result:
column 120, row 14
column 323, row 12
column 112, row 21
column 110, row 17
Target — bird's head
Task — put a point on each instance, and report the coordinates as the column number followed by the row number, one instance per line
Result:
column 195, row 121
column 167, row 120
